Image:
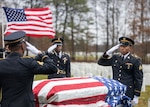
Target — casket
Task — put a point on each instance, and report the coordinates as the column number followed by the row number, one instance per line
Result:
column 77, row 92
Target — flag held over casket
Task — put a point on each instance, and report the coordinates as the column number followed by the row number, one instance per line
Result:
column 36, row 22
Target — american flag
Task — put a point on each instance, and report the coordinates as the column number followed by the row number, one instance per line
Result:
column 36, row 22
column 70, row 92
column 80, row 92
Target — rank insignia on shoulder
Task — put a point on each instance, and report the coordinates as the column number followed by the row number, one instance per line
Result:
column 136, row 56
column 1, row 58
column 40, row 63
column 26, row 57
column 140, row 67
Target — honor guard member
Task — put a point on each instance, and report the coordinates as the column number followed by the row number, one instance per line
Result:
column 60, row 59
column 2, row 50
column 17, row 72
column 127, row 68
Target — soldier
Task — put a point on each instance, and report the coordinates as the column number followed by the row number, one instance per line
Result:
column 2, row 50
column 17, row 72
column 60, row 59
column 127, row 68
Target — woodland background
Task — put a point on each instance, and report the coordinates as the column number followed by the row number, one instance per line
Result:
column 89, row 27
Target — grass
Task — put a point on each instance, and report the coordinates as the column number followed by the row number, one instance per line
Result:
column 40, row 77
column 143, row 100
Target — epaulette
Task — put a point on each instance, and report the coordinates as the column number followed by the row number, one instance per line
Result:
column 136, row 56
column 27, row 57
column 40, row 63
column 1, row 59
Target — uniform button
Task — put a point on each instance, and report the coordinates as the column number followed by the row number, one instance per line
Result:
column 119, row 75
column 119, row 70
column 57, row 64
column 58, row 61
column 119, row 79
column 120, row 66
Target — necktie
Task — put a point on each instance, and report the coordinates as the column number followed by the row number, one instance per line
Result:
column 122, row 58
column 58, row 54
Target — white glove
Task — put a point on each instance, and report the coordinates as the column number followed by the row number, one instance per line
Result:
column 32, row 48
column 51, row 48
column 111, row 50
column 135, row 100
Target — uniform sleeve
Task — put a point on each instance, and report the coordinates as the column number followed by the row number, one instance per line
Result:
column 44, row 67
column 105, row 60
column 138, row 77
column 67, row 69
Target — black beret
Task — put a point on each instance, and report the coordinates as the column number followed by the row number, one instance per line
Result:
column 126, row 41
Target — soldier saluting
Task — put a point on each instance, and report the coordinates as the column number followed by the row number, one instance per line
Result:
column 17, row 72
column 60, row 59
column 127, row 68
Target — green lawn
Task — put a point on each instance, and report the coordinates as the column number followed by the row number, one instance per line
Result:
column 39, row 77
column 143, row 100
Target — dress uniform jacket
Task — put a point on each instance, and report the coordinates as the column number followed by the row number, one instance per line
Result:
column 63, row 63
column 16, row 78
column 127, row 71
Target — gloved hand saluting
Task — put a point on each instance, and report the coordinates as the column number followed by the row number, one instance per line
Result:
column 32, row 49
column 51, row 48
column 111, row 50
column 135, row 100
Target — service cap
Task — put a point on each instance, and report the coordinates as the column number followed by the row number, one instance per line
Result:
column 125, row 41
column 58, row 41
column 15, row 38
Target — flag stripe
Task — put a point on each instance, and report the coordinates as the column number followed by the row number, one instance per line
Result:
column 68, row 90
column 87, row 100
column 76, row 93
column 39, row 33
column 37, row 89
column 27, row 28
column 42, row 25
column 74, row 86
column 35, row 32
column 35, row 22
column 97, row 104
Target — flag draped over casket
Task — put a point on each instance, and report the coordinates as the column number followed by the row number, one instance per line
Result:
column 77, row 91
column 116, row 92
